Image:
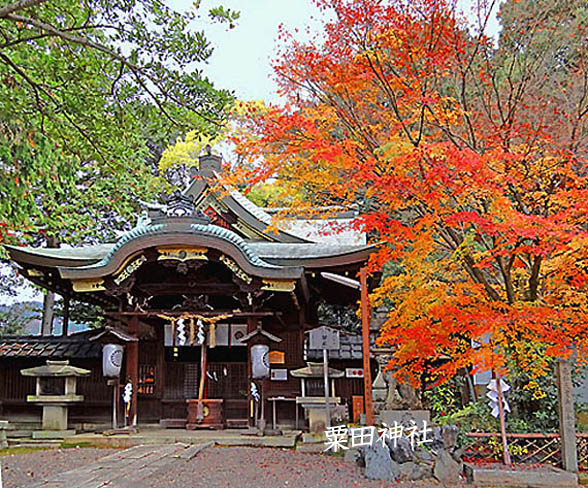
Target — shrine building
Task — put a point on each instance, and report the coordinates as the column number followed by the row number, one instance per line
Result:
column 190, row 292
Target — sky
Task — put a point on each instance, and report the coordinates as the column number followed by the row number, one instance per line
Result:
column 242, row 56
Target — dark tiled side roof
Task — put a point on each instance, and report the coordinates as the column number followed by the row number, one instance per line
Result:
column 350, row 347
column 48, row 347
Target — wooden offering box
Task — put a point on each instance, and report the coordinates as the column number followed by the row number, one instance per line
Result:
column 213, row 414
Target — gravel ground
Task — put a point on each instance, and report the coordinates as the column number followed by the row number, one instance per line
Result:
column 19, row 470
column 248, row 467
column 218, row 467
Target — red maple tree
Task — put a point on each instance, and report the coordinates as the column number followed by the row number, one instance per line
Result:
column 466, row 155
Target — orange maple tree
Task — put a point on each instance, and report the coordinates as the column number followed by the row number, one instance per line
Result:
column 466, row 156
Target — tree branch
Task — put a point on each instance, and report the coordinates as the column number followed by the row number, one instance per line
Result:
column 21, row 4
column 136, row 70
column 14, row 42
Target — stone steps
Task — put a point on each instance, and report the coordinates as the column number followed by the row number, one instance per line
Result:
column 173, row 423
column 17, row 434
column 237, row 423
column 32, row 443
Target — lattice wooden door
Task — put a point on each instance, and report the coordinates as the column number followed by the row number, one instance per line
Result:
column 228, row 380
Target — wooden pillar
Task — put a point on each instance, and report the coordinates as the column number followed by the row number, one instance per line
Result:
column 160, row 369
column 251, row 326
column 202, row 386
column 567, row 416
column 132, row 368
column 505, row 451
column 65, row 322
column 365, row 333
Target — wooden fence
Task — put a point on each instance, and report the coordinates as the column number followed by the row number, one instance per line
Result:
column 524, row 448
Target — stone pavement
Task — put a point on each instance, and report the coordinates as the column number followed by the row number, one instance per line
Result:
column 126, row 469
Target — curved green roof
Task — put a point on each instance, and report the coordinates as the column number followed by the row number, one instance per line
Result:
column 196, row 229
column 182, row 230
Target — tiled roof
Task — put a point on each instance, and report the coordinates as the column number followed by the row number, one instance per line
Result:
column 48, row 347
column 267, row 252
column 303, row 250
column 350, row 347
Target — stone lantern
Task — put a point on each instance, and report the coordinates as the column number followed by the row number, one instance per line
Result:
column 56, row 390
column 315, row 406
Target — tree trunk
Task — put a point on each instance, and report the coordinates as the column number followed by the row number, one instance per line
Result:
column 48, row 312
column 49, row 300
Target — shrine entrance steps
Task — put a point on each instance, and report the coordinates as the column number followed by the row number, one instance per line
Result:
column 125, row 469
column 159, row 436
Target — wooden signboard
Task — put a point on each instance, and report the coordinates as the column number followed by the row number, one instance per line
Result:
column 279, row 375
column 326, row 339
column 323, row 338
column 357, row 404
column 353, row 372
column 277, row 357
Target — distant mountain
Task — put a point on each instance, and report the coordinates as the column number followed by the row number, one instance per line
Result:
column 33, row 310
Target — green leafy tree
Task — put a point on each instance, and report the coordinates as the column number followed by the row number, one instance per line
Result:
column 90, row 92
column 80, row 313
column 87, row 90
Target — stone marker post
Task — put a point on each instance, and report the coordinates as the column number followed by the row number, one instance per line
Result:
column 3, row 440
column 326, row 379
column 567, row 417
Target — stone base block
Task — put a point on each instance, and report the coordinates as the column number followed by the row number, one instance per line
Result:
column 54, row 417
column 404, row 417
column 312, row 438
column 312, row 448
column 173, row 423
column 205, row 426
column 53, row 434
column 541, row 477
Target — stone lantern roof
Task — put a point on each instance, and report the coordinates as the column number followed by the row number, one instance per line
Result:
column 56, row 369
column 315, row 370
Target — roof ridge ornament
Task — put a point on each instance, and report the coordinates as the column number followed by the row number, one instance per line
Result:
column 180, row 205
column 208, row 161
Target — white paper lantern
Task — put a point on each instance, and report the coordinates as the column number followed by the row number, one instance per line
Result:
column 260, row 361
column 112, row 356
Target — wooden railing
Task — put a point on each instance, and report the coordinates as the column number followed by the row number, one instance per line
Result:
column 524, row 448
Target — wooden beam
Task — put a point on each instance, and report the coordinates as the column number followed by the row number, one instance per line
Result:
column 177, row 313
column 65, row 290
column 41, row 283
column 295, row 300
column 183, row 289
